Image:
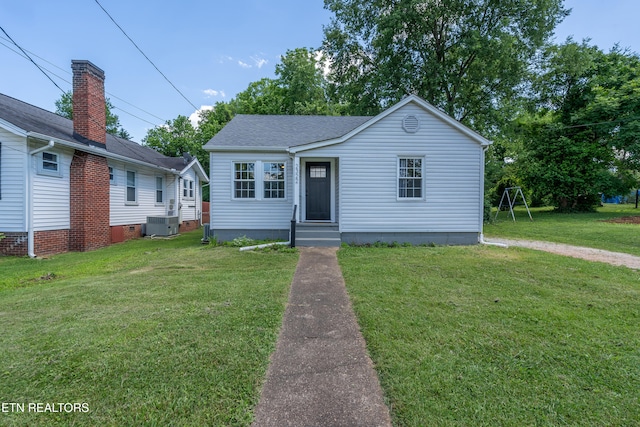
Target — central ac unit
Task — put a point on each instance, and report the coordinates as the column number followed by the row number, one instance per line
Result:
column 162, row 225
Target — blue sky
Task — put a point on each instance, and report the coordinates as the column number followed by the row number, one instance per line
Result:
column 210, row 50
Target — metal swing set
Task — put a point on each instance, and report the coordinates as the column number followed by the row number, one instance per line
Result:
column 511, row 201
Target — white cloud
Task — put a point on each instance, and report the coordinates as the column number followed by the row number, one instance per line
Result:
column 212, row 92
column 259, row 61
column 194, row 118
column 243, row 64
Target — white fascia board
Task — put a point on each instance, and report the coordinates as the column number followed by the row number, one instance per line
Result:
column 98, row 151
column 411, row 98
column 257, row 149
column 12, row 128
column 195, row 163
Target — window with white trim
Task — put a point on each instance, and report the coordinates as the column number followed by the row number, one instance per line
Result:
column 159, row 189
column 112, row 176
column 49, row 164
column 273, row 180
column 187, row 189
column 410, row 177
column 132, row 189
column 244, row 180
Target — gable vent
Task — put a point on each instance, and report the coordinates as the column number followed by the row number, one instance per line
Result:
column 410, row 124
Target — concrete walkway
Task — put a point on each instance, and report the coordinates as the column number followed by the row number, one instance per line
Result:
column 320, row 373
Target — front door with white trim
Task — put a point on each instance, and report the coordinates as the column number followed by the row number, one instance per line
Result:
column 318, row 191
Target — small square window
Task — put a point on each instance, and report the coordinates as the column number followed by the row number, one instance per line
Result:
column 318, row 172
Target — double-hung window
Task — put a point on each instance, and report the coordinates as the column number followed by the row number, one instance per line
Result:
column 159, row 190
column 259, row 180
column 187, row 189
column 410, row 178
column 273, row 180
column 132, row 196
column 244, row 180
column 49, row 164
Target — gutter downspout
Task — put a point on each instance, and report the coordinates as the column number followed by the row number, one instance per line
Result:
column 29, row 201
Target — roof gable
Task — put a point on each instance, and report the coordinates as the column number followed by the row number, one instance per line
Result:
column 300, row 133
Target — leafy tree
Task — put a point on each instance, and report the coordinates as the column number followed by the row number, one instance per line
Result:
column 581, row 137
column 64, row 108
column 464, row 56
column 175, row 138
column 299, row 88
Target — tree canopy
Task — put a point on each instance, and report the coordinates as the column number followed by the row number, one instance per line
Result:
column 464, row 56
column 580, row 135
column 64, row 108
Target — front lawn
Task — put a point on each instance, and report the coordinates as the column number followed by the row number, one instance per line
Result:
column 149, row 332
column 583, row 229
column 485, row 336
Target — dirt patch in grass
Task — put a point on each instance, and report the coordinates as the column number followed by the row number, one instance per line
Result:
column 625, row 220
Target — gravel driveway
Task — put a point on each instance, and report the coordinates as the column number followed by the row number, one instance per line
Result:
column 590, row 254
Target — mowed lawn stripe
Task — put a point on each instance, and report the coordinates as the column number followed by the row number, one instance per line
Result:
column 496, row 337
column 180, row 335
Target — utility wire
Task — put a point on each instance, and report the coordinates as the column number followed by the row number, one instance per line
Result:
column 68, row 82
column 143, row 54
column 29, row 58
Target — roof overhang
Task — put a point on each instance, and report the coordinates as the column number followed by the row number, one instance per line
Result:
column 12, row 128
column 98, row 151
column 195, row 164
column 411, row 98
column 256, row 149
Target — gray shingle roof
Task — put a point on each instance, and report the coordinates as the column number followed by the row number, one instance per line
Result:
column 246, row 131
column 34, row 119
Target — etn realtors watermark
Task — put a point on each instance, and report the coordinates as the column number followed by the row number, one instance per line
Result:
column 41, row 407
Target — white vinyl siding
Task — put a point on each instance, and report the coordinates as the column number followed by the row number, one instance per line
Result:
column 228, row 212
column 12, row 179
column 123, row 213
column 191, row 203
column 51, row 189
column 368, row 177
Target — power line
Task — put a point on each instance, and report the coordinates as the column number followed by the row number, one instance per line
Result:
column 28, row 57
column 143, row 54
column 68, row 82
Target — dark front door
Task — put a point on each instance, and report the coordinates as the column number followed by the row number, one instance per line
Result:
column 318, row 197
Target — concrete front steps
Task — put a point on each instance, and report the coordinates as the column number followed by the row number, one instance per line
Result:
column 317, row 235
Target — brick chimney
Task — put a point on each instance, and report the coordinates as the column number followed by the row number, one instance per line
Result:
column 89, row 172
column 89, row 110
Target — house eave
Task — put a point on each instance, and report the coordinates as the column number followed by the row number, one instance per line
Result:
column 98, row 151
column 230, row 148
column 12, row 128
column 198, row 168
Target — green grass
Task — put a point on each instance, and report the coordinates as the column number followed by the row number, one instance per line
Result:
column 584, row 229
column 149, row 332
column 483, row 336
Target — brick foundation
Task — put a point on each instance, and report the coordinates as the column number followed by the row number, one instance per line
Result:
column 50, row 242
column 14, row 244
column 189, row 225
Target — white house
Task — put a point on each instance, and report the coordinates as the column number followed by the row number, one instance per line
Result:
column 68, row 185
column 410, row 174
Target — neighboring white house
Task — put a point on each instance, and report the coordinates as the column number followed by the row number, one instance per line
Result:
column 410, row 174
column 68, row 185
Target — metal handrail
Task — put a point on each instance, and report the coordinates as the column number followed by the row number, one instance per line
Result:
column 292, row 235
